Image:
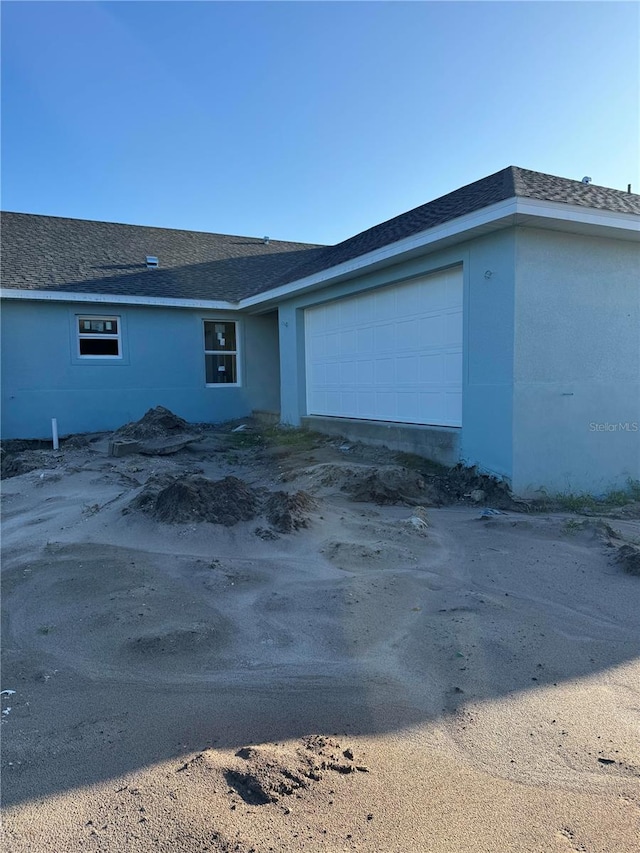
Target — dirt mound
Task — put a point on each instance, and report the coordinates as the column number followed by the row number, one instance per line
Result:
column 628, row 557
column 181, row 500
column 185, row 499
column 158, row 433
column 461, row 483
column 271, row 772
column 20, row 456
column 15, row 464
column 286, row 513
column 383, row 484
column 156, row 423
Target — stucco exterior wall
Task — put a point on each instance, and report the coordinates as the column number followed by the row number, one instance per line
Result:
column 576, row 409
column 162, row 364
column 488, row 273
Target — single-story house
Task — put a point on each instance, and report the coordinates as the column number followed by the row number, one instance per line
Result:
column 498, row 325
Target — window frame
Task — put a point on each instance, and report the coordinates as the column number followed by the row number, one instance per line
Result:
column 80, row 336
column 236, row 353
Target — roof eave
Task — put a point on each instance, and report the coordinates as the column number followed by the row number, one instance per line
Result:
column 513, row 211
column 503, row 214
column 113, row 299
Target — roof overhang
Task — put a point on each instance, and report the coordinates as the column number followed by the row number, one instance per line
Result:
column 522, row 212
column 112, row 299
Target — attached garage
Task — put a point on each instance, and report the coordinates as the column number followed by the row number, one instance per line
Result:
column 392, row 354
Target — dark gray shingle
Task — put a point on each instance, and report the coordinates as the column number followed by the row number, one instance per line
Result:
column 80, row 256
column 508, row 183
column 75, row 255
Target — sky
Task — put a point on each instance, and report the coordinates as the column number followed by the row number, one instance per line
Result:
column 306, row 121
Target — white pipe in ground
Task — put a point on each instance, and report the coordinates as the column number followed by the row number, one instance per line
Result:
column 54, row 432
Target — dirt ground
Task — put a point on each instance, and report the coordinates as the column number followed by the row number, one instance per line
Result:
column 269, row 641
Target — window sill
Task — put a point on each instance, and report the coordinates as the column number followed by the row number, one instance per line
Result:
column 223, row 385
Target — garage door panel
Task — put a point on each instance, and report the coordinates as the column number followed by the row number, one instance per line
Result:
column 366, row 404
column 408, row 334
column 436, row 294
column 348, row 313
column 385, row 338
column 432, row 333
column 365, row 311
column 452, row 367
column 348, row 342
column 365, row 341
column 386, row 405
column 385, row 304
column 385, row 371
column 334, row 400
column 408, row 407
column 332, row 372
column 431, row 368
column 432, row 401
column 364, row 372
column 453, row 405
column 348, row 374
column 318, row 348
column 453, row 328
column 408, row 370
column 394, row 354
column 316, row 400
column 318, row 376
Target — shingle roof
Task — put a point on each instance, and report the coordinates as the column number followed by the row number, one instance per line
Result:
column 74, row 255
column 508, row 183
column 52, row 253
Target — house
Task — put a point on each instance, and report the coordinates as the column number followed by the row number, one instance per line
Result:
column 498, row 325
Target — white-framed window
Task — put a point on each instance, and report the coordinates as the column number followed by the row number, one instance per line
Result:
column 99, row 337
column 221, row 352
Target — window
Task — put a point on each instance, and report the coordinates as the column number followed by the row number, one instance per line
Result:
column 221, row 353
column 99, row 337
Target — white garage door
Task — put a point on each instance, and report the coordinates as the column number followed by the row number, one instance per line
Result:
column 394, row 354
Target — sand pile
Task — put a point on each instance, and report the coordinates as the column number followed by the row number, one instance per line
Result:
column 269, row 773
column 379, row 484
column 184, row 499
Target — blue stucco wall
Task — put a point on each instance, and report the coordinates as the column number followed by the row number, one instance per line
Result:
column 162, row 364
column 577, row 365
column 487, row 392
column 551, row 367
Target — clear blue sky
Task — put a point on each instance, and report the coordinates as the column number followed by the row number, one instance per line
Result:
column 306, row 121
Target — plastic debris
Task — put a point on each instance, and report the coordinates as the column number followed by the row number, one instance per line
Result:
column 488, row 513
column 7, row 692
column 240, row 428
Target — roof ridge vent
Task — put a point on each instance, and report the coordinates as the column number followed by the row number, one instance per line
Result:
column 152, row 262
